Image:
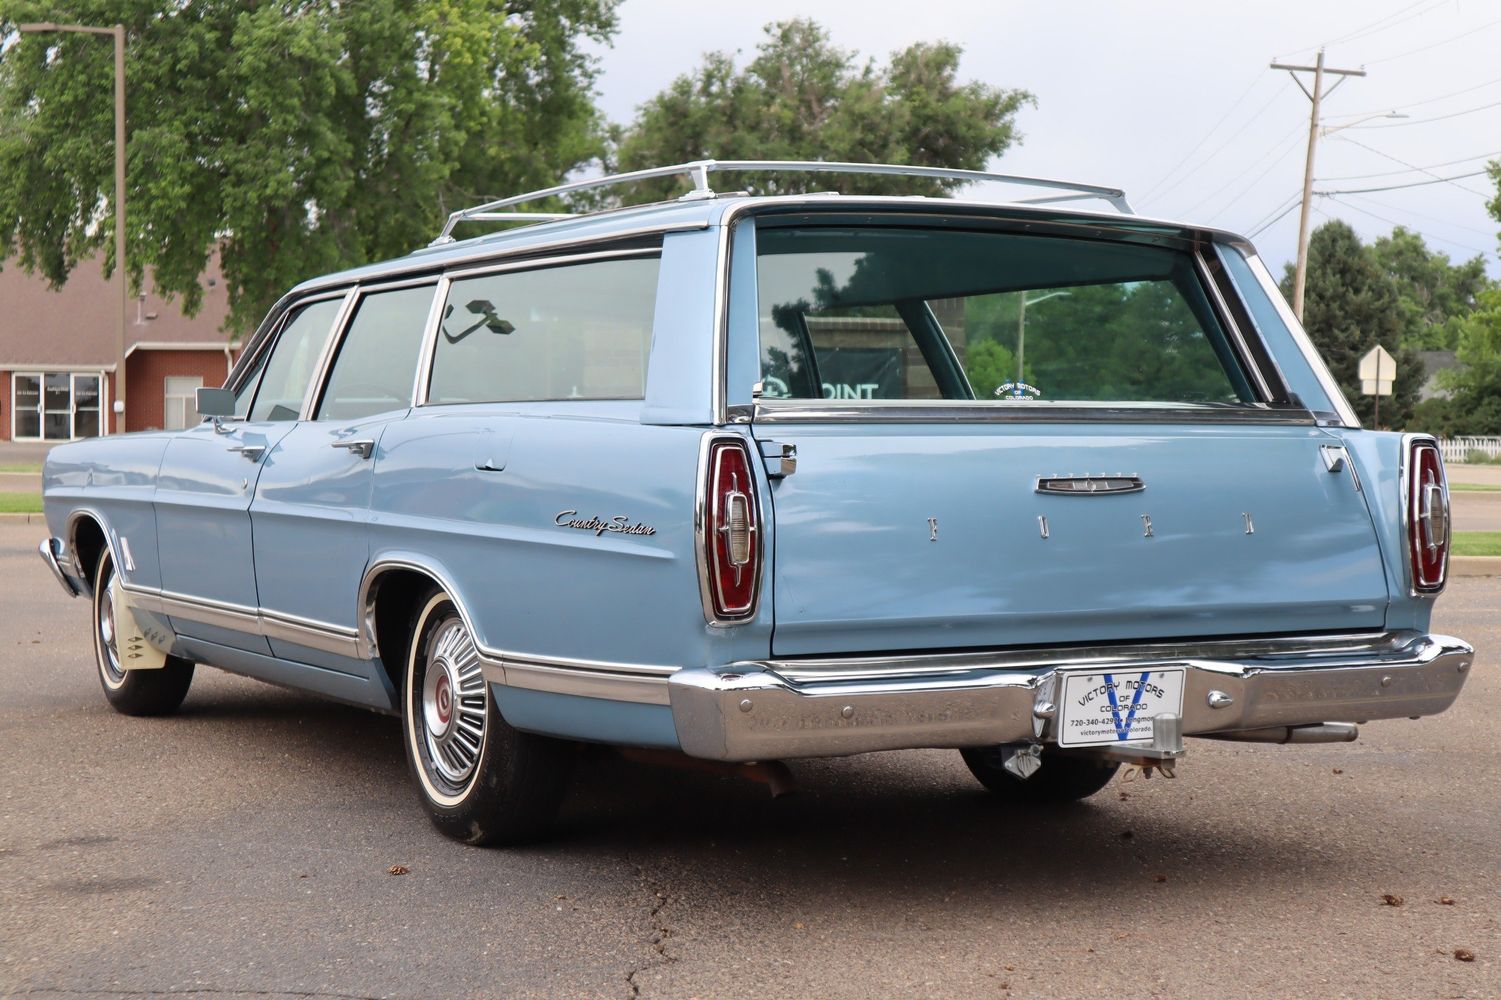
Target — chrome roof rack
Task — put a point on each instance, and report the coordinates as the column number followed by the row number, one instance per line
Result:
column 699, row 170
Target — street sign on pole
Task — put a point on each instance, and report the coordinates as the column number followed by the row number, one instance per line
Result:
column 1378, row 372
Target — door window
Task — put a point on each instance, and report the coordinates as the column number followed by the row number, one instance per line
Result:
column 377, row 362
column 86, row 406
column 55, row 406
column 580, row 331
column 289, row 367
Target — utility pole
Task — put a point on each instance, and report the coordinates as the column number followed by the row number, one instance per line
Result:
column 1316, row 96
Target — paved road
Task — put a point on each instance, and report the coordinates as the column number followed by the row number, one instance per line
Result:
column 242, row 848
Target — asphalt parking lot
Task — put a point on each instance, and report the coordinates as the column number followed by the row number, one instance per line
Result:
column 245, row 847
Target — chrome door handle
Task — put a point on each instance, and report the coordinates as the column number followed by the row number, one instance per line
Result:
column 253, row 452
column 363, row 448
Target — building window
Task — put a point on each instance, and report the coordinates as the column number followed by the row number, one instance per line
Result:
column 181, row 408
column 55, row 406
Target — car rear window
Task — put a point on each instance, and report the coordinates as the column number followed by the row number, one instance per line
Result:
column 874, row 313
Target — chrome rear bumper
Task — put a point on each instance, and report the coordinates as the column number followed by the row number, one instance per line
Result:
column 772, row 709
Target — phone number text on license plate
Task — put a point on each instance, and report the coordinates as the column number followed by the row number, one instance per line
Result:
column 1116, row 707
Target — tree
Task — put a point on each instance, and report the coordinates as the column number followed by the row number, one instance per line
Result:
column 801, row 98
column 1351, row 306
column 1433, row 295
column 292, row 137
column 1476, row 381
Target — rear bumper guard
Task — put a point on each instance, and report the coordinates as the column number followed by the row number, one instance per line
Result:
column 773, row 709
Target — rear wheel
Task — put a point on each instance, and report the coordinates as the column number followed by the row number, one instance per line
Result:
column 131, row 692
column 1062, row 777
column 480, row 780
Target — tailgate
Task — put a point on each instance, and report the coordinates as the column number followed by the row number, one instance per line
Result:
column 912, row 537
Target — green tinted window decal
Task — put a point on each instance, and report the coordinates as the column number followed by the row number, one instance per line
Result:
column 852, row 315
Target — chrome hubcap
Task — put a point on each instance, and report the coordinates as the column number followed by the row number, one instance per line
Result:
column 109, row 657
column 454, row 701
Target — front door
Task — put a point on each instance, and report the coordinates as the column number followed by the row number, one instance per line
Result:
column 208, row 478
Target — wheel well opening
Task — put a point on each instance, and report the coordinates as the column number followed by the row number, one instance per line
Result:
column 88, row 546
column 398, row 596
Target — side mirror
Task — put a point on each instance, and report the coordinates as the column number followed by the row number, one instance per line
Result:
column 214, row 402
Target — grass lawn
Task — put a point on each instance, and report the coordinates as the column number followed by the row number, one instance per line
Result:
column 35, row 469
column 1465, row 543
column 1473, row 488
column 20, row 503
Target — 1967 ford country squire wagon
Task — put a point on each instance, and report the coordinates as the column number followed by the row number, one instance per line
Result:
column 759, row 478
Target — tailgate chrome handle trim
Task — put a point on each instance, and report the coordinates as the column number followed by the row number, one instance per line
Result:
column 1083, row 486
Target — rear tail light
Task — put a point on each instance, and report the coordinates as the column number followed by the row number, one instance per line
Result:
column 729, row 532
column 1426, row 506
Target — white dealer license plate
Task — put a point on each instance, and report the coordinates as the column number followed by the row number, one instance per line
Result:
column 1116, row 707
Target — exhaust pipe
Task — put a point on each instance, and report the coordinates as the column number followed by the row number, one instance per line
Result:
column 1327, row 732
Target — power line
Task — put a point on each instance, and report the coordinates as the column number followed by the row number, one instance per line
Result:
column 1200, row 144
column 1277, row 211
column 1393, row 222
column 1446, row 41
column 1377, row 26
column 1419, row 104
column 1236, row 135
column 1272, row 222
column 1419, row 215
column 1393, row 173
column 1398, row 187
column 1436, row 118
column 1277, row 158
column 1420, row 170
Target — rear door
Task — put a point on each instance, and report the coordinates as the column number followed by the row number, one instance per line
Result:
column 312, row 502
column 1009, row 439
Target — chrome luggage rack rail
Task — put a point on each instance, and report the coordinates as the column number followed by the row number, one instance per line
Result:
column 698, row 172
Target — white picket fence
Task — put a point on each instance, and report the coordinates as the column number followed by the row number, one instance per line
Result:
column 1458, row 449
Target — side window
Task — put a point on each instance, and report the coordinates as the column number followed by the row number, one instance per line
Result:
column 377, row 361
column 579, row 331
column 289, row 367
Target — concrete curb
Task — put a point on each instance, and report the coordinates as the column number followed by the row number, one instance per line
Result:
column 1475, row 565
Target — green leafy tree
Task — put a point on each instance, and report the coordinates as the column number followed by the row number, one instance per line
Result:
column 1476, row 383
column 1349, row 307
column 802, row 98
column 1433, row 295
column 291, row 137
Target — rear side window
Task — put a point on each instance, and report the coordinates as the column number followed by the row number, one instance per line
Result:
column 288, row 369
column 377, row 361
column 578, row 331
column 912, row 314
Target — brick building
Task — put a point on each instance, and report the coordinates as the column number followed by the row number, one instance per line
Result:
column 57, row 356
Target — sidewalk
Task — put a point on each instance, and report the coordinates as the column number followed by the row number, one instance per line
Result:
column 23, row 452
column 1475, row 475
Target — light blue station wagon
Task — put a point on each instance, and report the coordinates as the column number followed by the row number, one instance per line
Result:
column 759, row 478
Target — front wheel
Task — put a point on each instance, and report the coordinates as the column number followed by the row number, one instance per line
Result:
column 131, row 692
column 1062, row 778
column 481, row 780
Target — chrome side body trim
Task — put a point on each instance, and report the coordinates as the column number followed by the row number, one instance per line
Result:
column 632, row 682
column 763, row 710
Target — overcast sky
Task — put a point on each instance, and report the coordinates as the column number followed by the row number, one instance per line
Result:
column 1174, row 101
